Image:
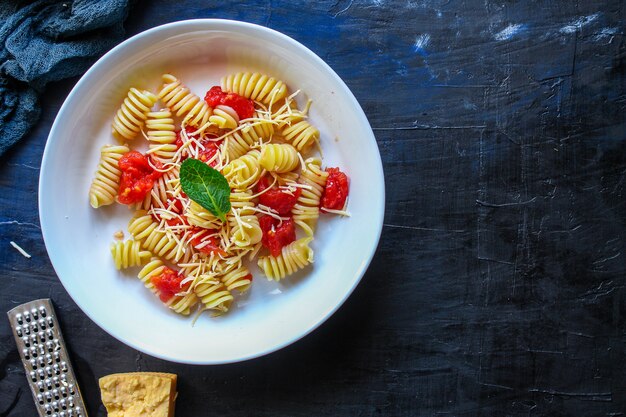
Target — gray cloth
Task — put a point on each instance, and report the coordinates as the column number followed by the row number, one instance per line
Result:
column 45, row 41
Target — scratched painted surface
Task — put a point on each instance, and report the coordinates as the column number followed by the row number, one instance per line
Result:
column 498, row 285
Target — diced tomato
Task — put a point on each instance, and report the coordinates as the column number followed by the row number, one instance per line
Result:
column 213, row 245
column 137, row 177
column 336, row 191
column 275, row 234
column 275, row 198
column 243, row 106
column 168, row 283
column 209, row 151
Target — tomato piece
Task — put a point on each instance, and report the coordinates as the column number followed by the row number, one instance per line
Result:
column 275, row 234
column 168, row 283
column 214, row 96
column 209, row 151
column 336, row 191
column 243, row 106
column 275, row 198
column 213, row 245
column 137, row 177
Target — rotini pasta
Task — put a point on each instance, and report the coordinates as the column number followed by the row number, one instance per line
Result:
column 294, row 257
column 243, row 171
column 258, row 130
column 180, row 100
column 306, row 210
column 161, row 135
column 106, row 183
column 132, row 114
column 128, row 254
column 224, row 117
column 213, row 294
column 254, row 136
column 279, row 157
column 255, row 86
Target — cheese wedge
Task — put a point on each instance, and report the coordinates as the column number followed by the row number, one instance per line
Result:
column 139, row 394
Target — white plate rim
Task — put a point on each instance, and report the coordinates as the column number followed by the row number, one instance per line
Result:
column 225, row 25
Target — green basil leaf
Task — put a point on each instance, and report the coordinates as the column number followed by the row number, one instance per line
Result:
column 206, row 186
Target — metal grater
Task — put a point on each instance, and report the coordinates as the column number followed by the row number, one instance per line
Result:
column 47, row 364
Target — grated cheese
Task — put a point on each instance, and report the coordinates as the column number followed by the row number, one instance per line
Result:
column 20, row 250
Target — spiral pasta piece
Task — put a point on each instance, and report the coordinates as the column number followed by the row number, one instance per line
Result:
column 243, row 171
column 106, row 182
column 201, row 217
column 238, row 278
column 224, row 117
column 213, row 293
column 181, row 304
column 245, row 230
column 279, row 157
column 180, row 100
column 132, row 114
column 258, row 130
column 301, row 134
column 161, row 135
column 306, row 210
column 144, row 229
column 127, row 254
column 255, row 86
column 293, row 257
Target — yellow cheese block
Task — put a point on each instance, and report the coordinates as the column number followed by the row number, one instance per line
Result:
column 139, row 394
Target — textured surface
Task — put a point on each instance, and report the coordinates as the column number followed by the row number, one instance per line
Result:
column 498, row 285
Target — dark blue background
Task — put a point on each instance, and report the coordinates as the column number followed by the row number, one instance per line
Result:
column 498, row 285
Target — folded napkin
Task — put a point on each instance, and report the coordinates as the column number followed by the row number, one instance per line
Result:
column 44, row 41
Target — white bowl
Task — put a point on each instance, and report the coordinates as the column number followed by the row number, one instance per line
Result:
column 77, row 237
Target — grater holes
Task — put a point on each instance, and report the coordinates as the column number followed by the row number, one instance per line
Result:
column 40, row 399
column 41, row 351
column 63, row 391
column 49, row 346
column 18, row 331
column 34, row 313
column 50, row 334
column 48, row 358
column 26, row 341
column 42, row 374
column 56, row 384
column 40, row 386
column 42, row 324
column 33, row 364
column 48, row 397
column 26, row 316
column 70, row 387
column 55, row 406
column 55, row 393
column 26, row 329
column 41, row 362
column 57, row 356
column 48, row 409
column 42, row 311
column 48, row 383
column 57, row 370
column 25, row 353
column 50, row 322
column 19, row 318
column 33, row 376
column 42, row 337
